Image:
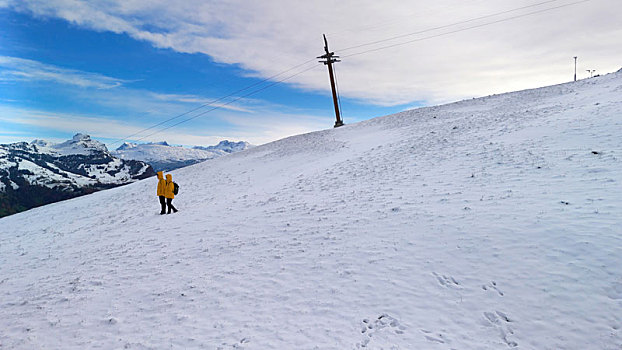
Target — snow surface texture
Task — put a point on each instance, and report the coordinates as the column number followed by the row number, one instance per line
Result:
column 485, row 224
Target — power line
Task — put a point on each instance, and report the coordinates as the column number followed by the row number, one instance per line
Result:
column 460, row 30
column 232, row 101
column 210, row 103
column 402, row 18
column 447, row 25
column 351, row 55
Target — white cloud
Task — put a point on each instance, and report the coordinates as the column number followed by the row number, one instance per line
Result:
column 220, row 103
column 254, row 128
column 266, row 37
column 64, row 122
column 266, row 126
column 141, row 109
column 20, row 69
column 110, row 92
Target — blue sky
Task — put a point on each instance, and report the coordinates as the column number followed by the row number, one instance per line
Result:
column 114, row 68
column 133, row 82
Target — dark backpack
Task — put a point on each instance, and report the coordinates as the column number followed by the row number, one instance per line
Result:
column 175, row 188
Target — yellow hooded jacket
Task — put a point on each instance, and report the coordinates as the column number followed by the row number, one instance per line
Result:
column 168, row 190
column 161, row 184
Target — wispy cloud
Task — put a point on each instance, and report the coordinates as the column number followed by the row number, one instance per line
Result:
column 266, row 37
column 109, row 92
column 134, row 110
column 64, row 122
column 20, row 69
column 220, row 103
column 99, row 127
column 252, row 128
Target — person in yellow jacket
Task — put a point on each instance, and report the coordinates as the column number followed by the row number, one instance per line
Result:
column 168, row 193
column 160, row 192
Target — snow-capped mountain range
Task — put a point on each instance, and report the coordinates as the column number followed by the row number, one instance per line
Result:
column 492, row 223
column 79, row 144
column 41, row 172
column 164, row 157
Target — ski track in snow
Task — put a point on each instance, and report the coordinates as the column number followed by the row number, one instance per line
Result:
column 484, row 224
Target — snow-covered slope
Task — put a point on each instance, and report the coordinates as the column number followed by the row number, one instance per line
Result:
column 165, row 157
column 492, row 223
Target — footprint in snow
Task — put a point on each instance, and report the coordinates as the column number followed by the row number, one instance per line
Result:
column 383, row 323
column 502, row 323
column 240, row 344
column 446, row 281
column 434, row 337
column 492, row 286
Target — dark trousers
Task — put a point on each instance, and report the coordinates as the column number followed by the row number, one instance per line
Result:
column 170, row 205
column 163, row 204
